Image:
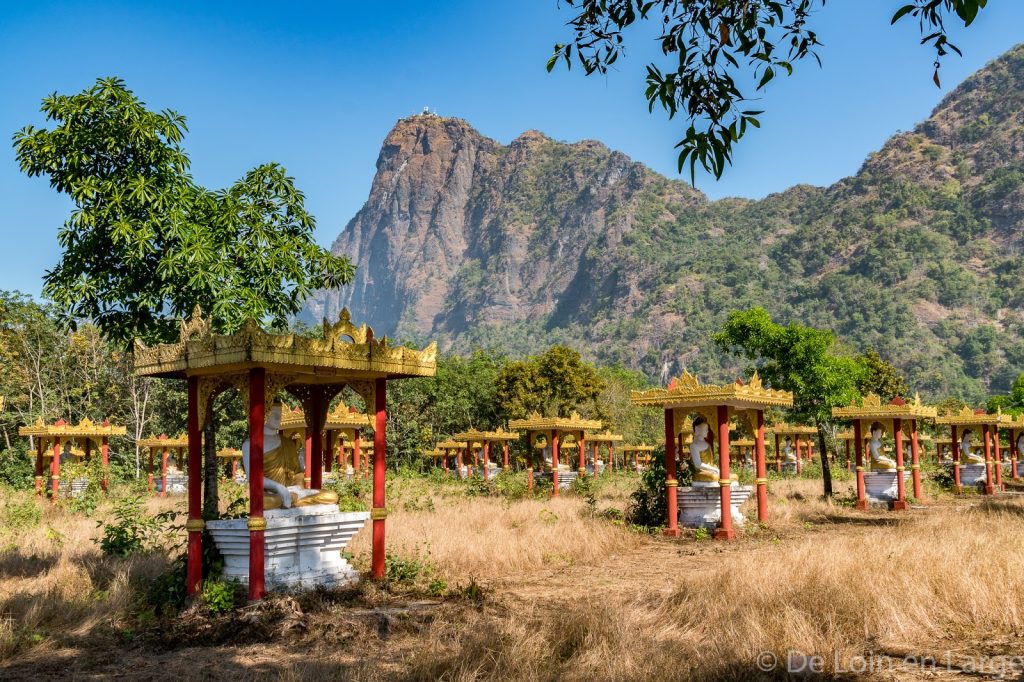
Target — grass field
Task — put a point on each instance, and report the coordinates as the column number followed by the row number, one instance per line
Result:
column 484, row 588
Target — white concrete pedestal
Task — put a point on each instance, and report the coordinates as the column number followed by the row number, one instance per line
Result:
column 972, row 474
column 565, row 478
column 177, row 483
column 881, row 486
column 302, row 546
column 701, row 506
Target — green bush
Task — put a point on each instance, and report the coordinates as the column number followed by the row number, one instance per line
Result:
column 648, row 506
column 132, row 532
column 220, row 596
column 353, row 495
column 402, row 571
column 17, row 469
column 20, row 516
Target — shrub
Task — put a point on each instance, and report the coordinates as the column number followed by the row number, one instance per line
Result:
column 352, row 495
column 648, row 504
column 220, row 596
column 132, row 532
column 20, row 516
column 400, row 570
column 17, row 469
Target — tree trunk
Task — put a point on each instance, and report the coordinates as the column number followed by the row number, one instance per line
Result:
column 210, row 493
column 826, row 473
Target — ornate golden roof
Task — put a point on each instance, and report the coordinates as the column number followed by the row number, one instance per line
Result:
column 792, row 430
column 969, row 417
column 490, row 436
column 435, row 453
column 872, row 408
column 83, row 429
column 605, row 436
column 642, row 447
column 162, row 441
column 292, row 418
column 574, row 422
column 452, row 445
column 344, row 351
column 343, row 417
column 229, row 453
column 687, row 391
column 743, row 442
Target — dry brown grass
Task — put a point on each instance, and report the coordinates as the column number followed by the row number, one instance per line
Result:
column 570, row 596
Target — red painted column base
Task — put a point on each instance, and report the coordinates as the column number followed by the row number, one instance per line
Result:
column 899, row 505
column 194, row 564
column 990, row 489
column 725, row 534
column 862, row 505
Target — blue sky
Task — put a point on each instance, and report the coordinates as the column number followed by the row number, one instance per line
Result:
column 317, row 86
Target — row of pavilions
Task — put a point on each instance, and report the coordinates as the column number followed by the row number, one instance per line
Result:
column 316, row 371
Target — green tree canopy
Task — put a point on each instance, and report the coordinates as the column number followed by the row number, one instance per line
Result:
column 880, row 377
column 798, row 359
column 553, row 384
column 714, row 47
column 145, row 244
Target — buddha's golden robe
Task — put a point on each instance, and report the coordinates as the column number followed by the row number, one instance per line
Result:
column 282, row 465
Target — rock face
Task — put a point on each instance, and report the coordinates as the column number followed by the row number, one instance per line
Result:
column 517, row 247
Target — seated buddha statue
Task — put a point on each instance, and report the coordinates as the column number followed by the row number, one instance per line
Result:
column 283, row 469
column 788, row 454
column 879, row 461
column 1020, row 445
column 967, row 454
column 701, row 455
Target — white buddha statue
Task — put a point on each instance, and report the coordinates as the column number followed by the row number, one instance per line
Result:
column 706, row 473
column 283, row 468
column 967, row 454
column 879, row 461
column 1020, row 445
column 788, row 454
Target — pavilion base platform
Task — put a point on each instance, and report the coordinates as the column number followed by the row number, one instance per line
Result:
column 881, row 487
column 491, row 473
column 1020, row 467
column 565, row 478
column 701, row 506
column 177, row 484
column 303, row 546
column 600, row 469
column 972, row 474
column 75, row 488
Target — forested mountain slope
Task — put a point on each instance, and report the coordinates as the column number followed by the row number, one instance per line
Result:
column 515, row 247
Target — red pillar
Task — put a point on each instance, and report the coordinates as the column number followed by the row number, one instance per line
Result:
column 55, row 471
column 611, row 457
column 487, row 460
column 671, row 484
column 594, row 450
column 195, row 525
column 761, row 469
column 998, row 458
column 444, row 462
column 356, row 455
column 163, row 471
column 725, row 532
column 458, row 463
column 901, row 489
column 636, row 461
column 849, row 464
column 234, row 469
column 554, row 463
column 105, row 458
column 379, row 512
column 504, row 455
column 39, row 466
column 915, row 461
column 990, row 488
column 799, row 454
column 307, row 455
column 257, row 524
column 954, row 446
column 858, row 446
column 529, row 463
column 581, row 463
column 778, row 456
column 315, row 442
column 328, row 450
column 1013, row 455
column 149, row 471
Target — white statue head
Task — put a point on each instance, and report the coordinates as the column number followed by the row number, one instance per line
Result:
column 1020, row 443
column 877, row 431
column 968, row 437
column 273, row 422
column 700, row 431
